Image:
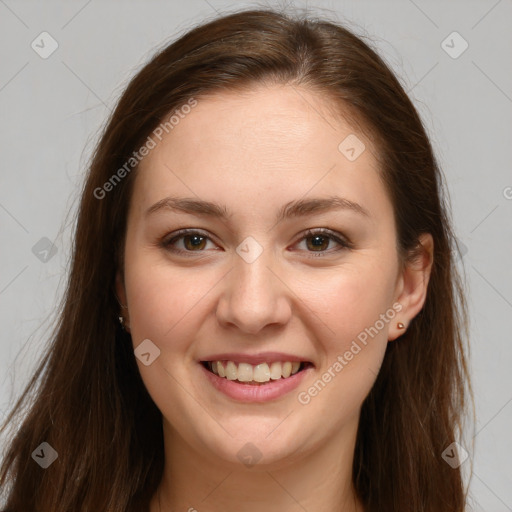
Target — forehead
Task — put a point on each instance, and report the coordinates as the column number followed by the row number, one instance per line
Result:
column 241, row 146
column 265, row 121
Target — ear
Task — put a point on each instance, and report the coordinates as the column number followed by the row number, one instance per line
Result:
column 121, row 297
column 412, row 283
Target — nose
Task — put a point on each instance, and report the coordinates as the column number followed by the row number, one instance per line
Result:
column 254, row 296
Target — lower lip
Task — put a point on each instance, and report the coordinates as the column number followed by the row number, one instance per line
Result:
column 254, row 393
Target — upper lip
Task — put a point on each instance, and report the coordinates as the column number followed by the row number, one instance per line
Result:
column 261, row 357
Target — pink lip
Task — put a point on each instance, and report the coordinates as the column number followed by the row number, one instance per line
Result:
column 262, row 357
column 252, row 393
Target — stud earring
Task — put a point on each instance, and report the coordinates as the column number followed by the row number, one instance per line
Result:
column 400, row 325
column 124, row 325
column 120, row 317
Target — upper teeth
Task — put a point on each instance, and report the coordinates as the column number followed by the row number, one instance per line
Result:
column 245, row 372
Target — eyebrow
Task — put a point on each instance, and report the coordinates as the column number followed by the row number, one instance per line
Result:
column 297, row 208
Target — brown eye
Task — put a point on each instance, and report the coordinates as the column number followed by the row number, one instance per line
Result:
column 196, row 242
column 193, row 241
column 318, row 242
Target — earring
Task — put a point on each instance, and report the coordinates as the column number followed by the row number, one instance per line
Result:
column 124, row 325
column 121, row 318
column 400, row 325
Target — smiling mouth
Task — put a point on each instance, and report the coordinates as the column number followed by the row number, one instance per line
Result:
column 255, row 375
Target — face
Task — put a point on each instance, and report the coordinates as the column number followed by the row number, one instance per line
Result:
column 269, row 288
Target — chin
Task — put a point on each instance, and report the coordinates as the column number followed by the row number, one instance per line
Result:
column 257, row 446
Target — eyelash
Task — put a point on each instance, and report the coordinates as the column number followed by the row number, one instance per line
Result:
column 166, row 243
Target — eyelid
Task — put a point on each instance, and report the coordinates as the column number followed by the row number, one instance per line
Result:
column 181, row 233
column 339, row 238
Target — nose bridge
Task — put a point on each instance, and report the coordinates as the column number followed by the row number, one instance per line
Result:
column 254, row 297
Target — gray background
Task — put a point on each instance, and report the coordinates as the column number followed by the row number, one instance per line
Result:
column 52, row 110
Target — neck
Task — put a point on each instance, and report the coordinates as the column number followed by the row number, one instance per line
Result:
column 197, row 482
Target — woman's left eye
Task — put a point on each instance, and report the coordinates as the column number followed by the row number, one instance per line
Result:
column 195, row 241
column 320, row 238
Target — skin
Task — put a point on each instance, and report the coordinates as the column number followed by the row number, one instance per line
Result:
column 254, row 152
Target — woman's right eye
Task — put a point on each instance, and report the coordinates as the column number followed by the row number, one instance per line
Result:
column 193, row 241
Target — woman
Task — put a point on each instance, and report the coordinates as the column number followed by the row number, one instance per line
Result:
column 310, row 354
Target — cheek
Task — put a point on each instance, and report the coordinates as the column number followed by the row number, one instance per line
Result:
column 166, row 307
column 349, row 299
column 354, row 304
column 163, row 301
column 354, row 313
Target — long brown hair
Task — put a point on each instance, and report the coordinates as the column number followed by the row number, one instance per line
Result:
column 87, row 399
